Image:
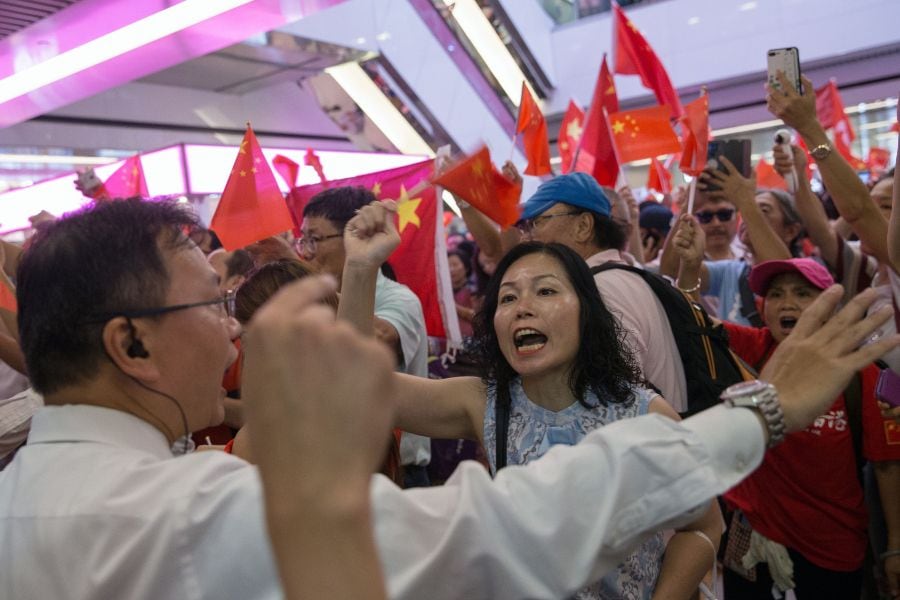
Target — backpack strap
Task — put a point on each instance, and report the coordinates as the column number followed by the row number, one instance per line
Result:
column 501, row 425
column 853, row 406
column 748, row 301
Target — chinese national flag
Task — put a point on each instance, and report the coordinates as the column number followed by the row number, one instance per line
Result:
column 478, row 182
column 421, row 239
column 830, row 108
column 570, row 131
column 251, row 207
column 533, row 127
column 287, row 168
column 634, row 56
column 878, row 160
column 128, row 180
column 695, row 124
column 659, row 178
column 768, row 178
column 312, row 160
column 643, row 133
column 596, row 155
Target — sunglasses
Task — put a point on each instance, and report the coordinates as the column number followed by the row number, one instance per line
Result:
column 724, row 215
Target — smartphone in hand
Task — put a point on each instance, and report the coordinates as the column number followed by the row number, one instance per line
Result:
column 786, row 60
column 888, row 387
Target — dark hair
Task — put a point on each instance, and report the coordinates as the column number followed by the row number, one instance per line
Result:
column 268, row 279
column 240, row 262
column 339, row 204
column 463, row 256
column 607, row 233
column 101, row 260
column 603, row 364
column 791, row 217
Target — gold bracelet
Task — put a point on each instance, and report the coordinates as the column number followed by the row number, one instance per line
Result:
column 691, row 290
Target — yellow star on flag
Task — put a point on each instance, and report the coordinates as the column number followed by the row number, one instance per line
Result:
column 376, row 189
column 243, row 150
column 406, row 209
column 618, row 127
column 478, row 168
column 574, row 129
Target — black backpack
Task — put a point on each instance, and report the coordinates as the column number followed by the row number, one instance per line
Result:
column 709, row 364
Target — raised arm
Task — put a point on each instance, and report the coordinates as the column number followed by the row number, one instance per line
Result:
column 740, row 191
column 810, row 209
column 849, row 193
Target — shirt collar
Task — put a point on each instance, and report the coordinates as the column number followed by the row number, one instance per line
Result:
column 85, row 423
column 608, row 255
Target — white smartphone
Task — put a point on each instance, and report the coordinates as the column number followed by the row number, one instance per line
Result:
column 786, row 60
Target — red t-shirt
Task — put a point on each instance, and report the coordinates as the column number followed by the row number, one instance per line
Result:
column 806, row 494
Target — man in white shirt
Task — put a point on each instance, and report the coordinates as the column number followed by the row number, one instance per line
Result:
column 125, row 333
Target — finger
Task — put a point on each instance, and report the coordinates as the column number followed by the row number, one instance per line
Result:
column 729, row 166
column 787, row 87
column 862, row 331
column 807, row 85
column 839, row 325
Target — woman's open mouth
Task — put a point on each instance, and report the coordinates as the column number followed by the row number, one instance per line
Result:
column 528, row 340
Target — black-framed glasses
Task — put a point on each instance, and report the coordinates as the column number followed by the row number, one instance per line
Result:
column 309, row 243
column 528, row 225
column 225, row 304
column 724, row 215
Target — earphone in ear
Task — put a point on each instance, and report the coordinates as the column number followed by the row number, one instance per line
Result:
column 136, row 349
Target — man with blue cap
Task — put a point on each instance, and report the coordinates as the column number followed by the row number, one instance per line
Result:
column 573, row 210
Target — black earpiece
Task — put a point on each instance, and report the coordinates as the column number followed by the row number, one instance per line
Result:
column 136, row 348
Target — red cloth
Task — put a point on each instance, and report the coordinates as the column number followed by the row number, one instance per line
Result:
column 570, row 131
column 768, row 177
column 127, row 181
column 596, row 155
column 287, row 168
column 830, row 107
column 418, row 212
column 659, row 178
column 312, row 160
column 806, row 494
column 643, row 133
column 533, row 127
column 251, row 207
column 695, row 136
column 634, row 56
column 476, row 180
column 877, row 161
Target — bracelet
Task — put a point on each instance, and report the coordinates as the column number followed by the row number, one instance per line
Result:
column 691, row 290
column 889, row 553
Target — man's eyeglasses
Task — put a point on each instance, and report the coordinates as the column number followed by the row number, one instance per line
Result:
column 309, row 243
column 526, row 226
column 226, row 305
column 724, row 215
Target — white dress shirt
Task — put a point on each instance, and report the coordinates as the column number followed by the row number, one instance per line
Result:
column 96, row 507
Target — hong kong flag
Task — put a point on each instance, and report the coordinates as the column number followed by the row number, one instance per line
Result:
column 420, row 261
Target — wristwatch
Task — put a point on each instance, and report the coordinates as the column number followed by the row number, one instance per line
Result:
column 821, row 152
column 760, row 396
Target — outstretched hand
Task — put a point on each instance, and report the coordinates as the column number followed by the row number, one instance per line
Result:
column 733, row 187
column 795, row 109
column 815, row 362
column 371, row 236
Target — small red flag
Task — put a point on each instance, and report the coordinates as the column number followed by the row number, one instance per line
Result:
column 643, row 133
column 570, row 131
column 312, row 159
column 476, row 180
column 768, row 178
column 659, row 178
column 695, row 138
column 634, row 56
column 128, row 180
column 251, row 207
column 830, row 108
column 533, row 127
column 877, row 161
column 287, row 168
column 596, row 155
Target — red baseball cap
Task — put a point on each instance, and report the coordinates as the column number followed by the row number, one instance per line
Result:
column 763, row 273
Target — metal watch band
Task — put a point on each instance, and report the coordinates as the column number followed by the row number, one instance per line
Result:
column 821, row 152
column 763, row 397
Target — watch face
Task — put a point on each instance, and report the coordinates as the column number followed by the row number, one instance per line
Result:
column 745, row 388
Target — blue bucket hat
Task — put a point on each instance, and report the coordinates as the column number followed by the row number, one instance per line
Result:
column 577, row 189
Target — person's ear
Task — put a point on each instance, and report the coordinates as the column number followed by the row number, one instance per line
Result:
column 126, row 344
column 584, row 227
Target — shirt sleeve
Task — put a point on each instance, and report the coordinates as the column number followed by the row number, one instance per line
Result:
column 400, row 307
column 545, row 529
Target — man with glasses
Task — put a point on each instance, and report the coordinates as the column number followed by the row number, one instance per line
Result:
column 399, row 319
column 719, row 220
column 573, row 210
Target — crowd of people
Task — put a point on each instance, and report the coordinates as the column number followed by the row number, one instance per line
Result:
column 190, row 422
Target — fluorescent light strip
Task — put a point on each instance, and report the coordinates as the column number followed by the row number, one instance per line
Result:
column 360, row 87
column 56, row 159
column 490, row 47
column 115, row 43
column 890, row 102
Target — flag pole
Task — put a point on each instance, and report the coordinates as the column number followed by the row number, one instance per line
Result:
column 512, row 149
column 612, row 141
column 691, row 193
